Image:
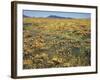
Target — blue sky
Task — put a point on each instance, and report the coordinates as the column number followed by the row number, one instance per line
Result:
column 36, row 13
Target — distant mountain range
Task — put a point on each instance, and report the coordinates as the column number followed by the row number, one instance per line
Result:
column 50, row 16
column 25, row 16
column 54, row 16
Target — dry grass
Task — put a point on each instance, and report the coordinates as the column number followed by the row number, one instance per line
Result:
column 56, row 43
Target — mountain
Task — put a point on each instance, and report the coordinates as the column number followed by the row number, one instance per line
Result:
column 50, row 16
column 25, row 16
column 54, row 16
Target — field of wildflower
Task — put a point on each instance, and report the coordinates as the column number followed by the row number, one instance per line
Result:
column 54, row 43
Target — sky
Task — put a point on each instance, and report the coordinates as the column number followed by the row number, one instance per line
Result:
column 36, row 13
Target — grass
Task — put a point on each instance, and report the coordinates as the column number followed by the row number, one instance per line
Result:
column 56, row 43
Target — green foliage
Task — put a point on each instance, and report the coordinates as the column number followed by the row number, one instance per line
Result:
column 27, row 28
